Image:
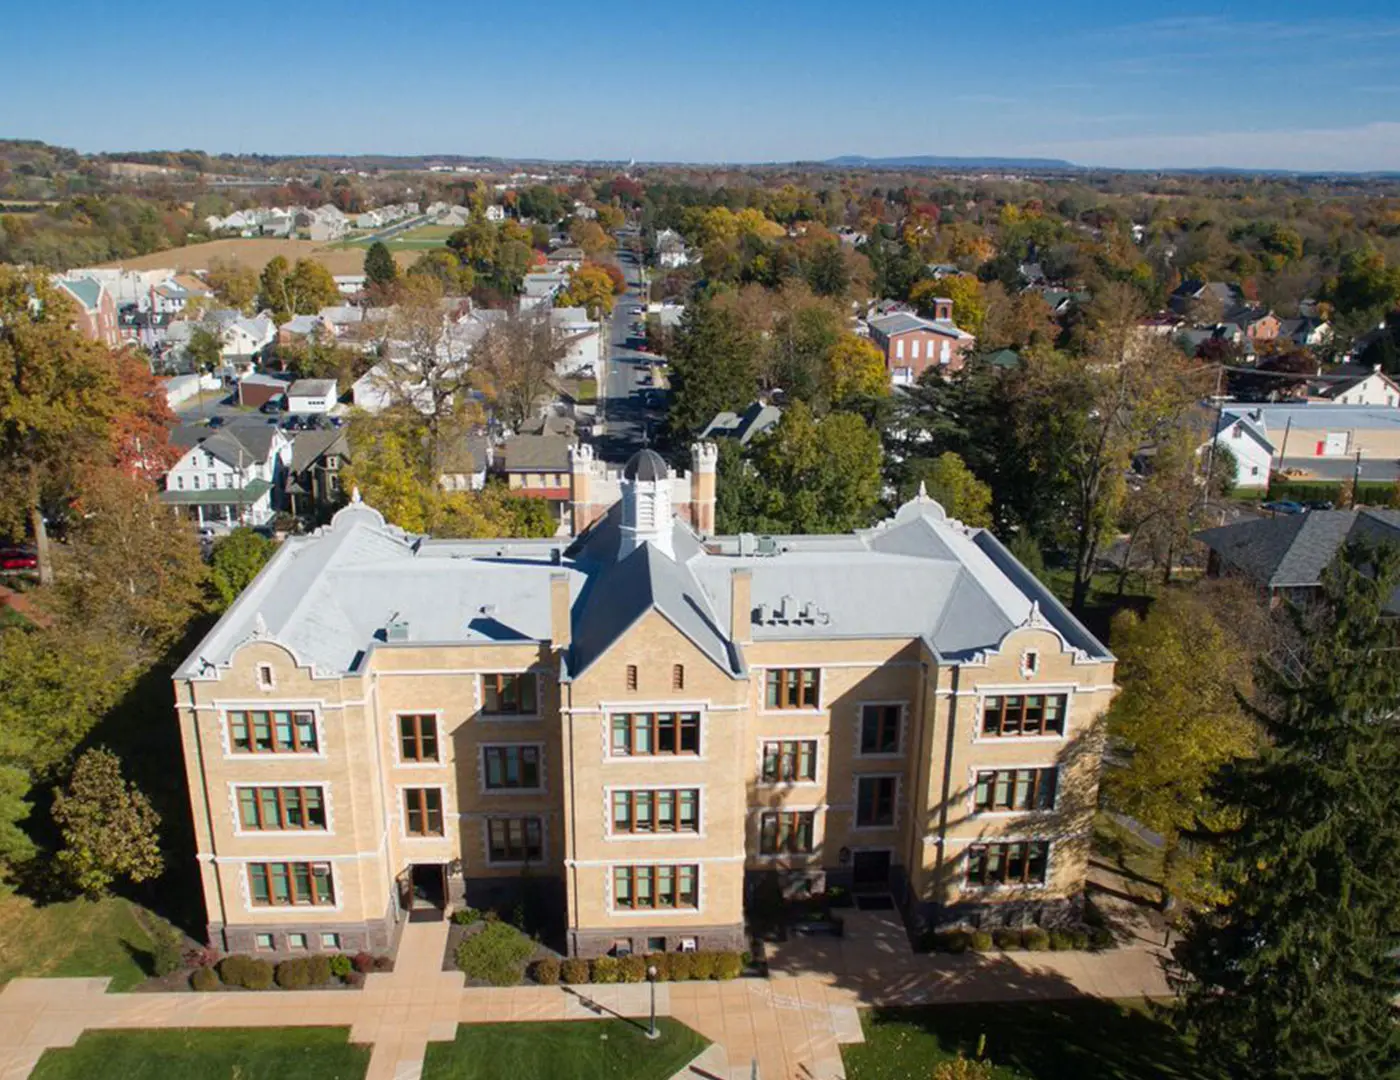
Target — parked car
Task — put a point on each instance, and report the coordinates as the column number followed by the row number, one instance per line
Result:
column 1283, row 506
column 216, row 421
column 18, row 559
column 272, row 405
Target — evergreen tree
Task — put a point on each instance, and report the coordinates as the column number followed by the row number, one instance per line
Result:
column 712, row 367
column 1296, row 977
column 380, row 269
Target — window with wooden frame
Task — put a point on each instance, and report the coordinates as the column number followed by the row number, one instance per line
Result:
column 1021, row 862
column 677, row 676
column 271, row 808
column 1010, row 715
column 1015, row 789
column 645, row 734
column 514, row 840
column 510, row 767
column 646, row 888
column 508, row 694
column 275, row 732
column 667, row 810
column 879, row 729
column 418, row 737
column 790, row 761
column 422, row 811
column 787, row 832
column 290, row 884
column 792, row 688
column 875, row 801
column 631, row 676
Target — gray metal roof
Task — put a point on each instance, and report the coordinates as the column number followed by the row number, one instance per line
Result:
column 330, row 596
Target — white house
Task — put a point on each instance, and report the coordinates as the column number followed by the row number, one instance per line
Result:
column 581, row 338
column 1244, row 436
column 670, row 250
column 544, row 283
column 495, row 212
column 312, row 396
column 228, row 478
column 1373, row 388
column 350, row 284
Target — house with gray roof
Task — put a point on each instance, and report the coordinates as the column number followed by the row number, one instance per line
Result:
column 641, row 729
column 758, row 419
column 232, row 476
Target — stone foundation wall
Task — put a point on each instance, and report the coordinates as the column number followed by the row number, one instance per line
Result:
column 729, row 938
column 373, row 936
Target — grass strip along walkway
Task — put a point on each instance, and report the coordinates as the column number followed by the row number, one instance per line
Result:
column 567, row 1050
column 188, row 1054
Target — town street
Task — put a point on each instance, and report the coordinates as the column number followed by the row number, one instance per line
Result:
column 629, row 424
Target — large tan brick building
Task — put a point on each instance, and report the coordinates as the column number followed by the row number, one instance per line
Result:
column 635, row 727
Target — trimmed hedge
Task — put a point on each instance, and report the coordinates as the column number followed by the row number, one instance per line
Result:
column 1037, row 939
column 575, row 971
column 1007, row 939
column 980, row 940
column 1368, row 492
column 495, row 954
column 301, row 972
column 205, row 979
column 246, row 971
column 546, row 971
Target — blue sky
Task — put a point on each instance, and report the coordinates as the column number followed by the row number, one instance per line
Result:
column 1266, row 85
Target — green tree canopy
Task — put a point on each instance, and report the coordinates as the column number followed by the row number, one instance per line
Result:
column 110, row 829
column 380, row 269
column 235, row 561
column 712, row 366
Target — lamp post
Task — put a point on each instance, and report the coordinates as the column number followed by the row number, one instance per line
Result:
column 652, row 1033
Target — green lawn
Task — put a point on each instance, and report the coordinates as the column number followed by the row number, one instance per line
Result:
column 77, row 937
column 1080, row 1039
column 419, row 239
column 1130, row 855
column 569, row 1050
column 215, row 1054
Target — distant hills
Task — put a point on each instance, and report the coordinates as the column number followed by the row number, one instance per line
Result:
column 927, row 161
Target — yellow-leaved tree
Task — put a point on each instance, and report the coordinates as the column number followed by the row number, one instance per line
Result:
column 855, row 369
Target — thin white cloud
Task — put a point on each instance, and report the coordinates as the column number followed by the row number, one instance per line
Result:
column 1367, row 148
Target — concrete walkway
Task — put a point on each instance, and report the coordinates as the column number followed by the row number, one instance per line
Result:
column 792, row 1024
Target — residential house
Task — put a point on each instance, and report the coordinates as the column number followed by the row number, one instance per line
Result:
column 1243, row 436
column 639, row 730
column 350, row 284
column 584, row 212
column 1287, row 555
column 495, row 213
column 466, row 464
column 299, row 328
column 228, row 478
column 313, row 396
column 1373, row 387
column 1309, row 332
column 312, row 482
column 758, row 419
column 567, row 257
column 671, row 253
column 255, row 390
column 95, row 311
column 581, row 339
column 913, row 344
column 1190, row 293
column 536, row 466
column 544, row 284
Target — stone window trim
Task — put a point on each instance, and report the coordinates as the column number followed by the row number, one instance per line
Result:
column 396, row 747
column 316, row 708
column 481, row 749
column 761, row 682
column 654, row 913
column 960, row 870
column 795, row 858
column 607, row 710
column 401, row 812
column 818, row 780
column 237, row 819
column 312, row 912
column 507, row 717
column 973, row 770
column 667, row 837
column 267, row 676
column 901, row 734
column 855, row 802
column 486, row 820
column 983, row 692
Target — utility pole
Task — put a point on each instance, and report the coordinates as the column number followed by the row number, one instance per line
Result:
column 1210, row 457
column 1355, row 481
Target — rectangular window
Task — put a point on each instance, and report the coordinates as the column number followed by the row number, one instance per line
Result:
column 278, row 732
column 508, row 695
column 281, row 884
column 1017, row 863
column 792, row 688
column 514, row 840
column 678, row 677
column 296, row 941
column 652, row 887
column 643, row 734
column 510, row 767
column 899, row 349
column 1023, row 714
column 787, row 832
column 879, row 729
column 790, row 761
column 330, row 941
column 418, row 737
column 914, row 348
column 668, row 811
column 875, row 801
column 423, row 811
column 631, row 676
column 1016, row 789
column 281, row 808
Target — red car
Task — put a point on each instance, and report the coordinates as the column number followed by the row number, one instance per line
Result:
column 18, row 559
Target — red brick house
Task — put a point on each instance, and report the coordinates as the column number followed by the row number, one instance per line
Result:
column 912, row 344
column 96, row 309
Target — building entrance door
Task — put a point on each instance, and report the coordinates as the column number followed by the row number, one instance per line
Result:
column 870, row 871
column 427, row 892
